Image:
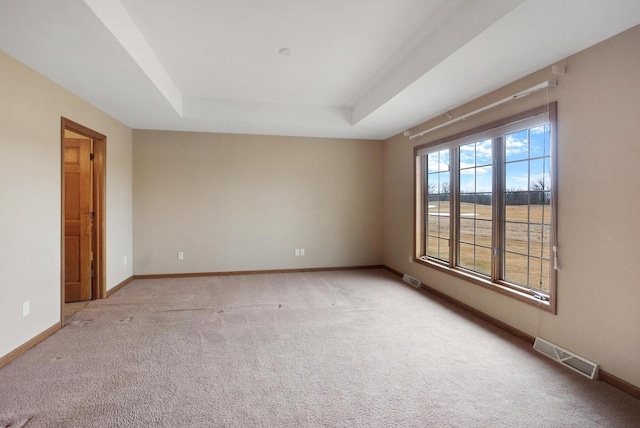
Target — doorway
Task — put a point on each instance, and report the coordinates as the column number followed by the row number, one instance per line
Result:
column 83, row 214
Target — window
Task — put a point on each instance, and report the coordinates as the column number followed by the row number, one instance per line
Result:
column 485, row 202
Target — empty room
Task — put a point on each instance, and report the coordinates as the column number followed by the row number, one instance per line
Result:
column 347, row 213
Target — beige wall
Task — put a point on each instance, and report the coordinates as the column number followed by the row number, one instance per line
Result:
column 30, row 110
column 242, row 202
column 599, row 221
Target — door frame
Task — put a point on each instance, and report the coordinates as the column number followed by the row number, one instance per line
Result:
column 99, row 286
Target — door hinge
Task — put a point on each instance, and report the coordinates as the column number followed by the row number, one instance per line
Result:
column 93, row 273
column 90, row 156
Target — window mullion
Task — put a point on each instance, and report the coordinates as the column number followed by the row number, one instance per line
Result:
column 497, row 237
column 454, row 197
column 424, row 194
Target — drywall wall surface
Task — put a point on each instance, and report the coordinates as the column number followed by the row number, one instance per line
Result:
column 244, row 202
column 31, row 108
column 599, row 226
column 119, row 203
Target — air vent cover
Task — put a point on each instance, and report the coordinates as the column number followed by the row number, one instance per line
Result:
column 568, row 358
column 411, row 280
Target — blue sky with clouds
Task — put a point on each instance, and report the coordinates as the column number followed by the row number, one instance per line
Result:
column 476, row 159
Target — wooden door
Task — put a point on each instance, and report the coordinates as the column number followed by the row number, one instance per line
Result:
column 77, row 221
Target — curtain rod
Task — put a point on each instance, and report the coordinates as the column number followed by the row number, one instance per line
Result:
column 536, row 88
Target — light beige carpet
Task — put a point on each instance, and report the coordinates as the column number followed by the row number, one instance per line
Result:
column 71, row 308
column 335, row 349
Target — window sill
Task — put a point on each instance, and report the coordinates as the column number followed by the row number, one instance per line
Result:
column 547, row 306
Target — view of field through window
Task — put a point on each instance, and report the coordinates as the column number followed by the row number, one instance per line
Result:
column 475, row 211
column 527, row 194
column 438, row 183
column 525, row 215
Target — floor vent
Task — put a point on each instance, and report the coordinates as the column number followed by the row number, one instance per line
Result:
column 569, row 359
column 411, row 280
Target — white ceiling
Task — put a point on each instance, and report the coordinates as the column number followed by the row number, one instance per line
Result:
column 360, row 68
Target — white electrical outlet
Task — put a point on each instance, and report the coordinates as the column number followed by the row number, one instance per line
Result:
column 180, row 255
column 297, row 252
column 25, row 309
column 125, row 260
column 302, row 251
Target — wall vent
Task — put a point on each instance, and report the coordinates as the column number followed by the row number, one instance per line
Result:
column 567, row 358
column 411, row 280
